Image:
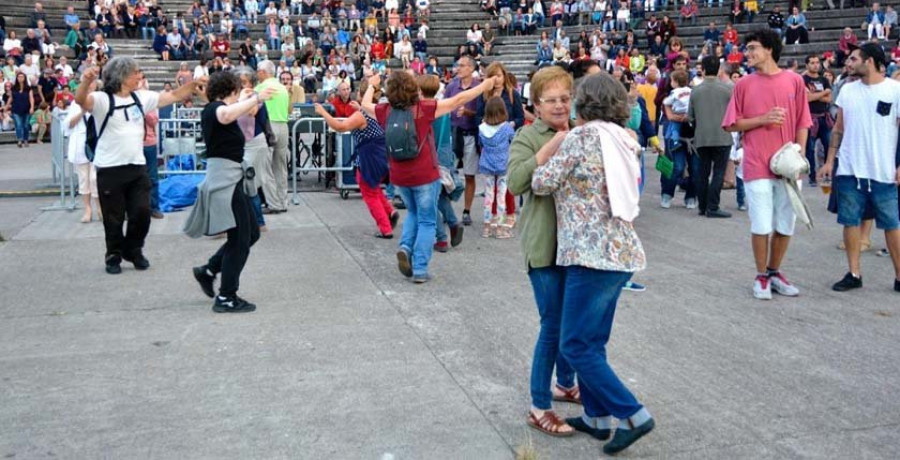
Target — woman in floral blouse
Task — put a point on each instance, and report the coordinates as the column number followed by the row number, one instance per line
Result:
column 594, row 178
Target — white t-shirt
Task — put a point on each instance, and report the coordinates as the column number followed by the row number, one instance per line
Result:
column 122, row 142
column 67, row 70
column 32, row 72
column 679, row 100
column 869, row 146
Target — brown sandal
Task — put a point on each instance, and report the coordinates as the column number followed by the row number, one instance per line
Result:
column 572, row 395
column 549, row 424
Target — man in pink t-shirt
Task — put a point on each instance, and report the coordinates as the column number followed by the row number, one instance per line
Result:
column 770, row 109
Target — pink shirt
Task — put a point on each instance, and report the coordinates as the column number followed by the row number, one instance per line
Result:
column 755, row 95
column 150, row 121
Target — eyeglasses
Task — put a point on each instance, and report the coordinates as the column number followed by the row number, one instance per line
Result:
column 563, row 100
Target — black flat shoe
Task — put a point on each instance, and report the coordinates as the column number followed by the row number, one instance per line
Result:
column 384, row 236
column 395, row 217
column 140, row 262
column 601, row 434
column 625, row 438
column 113, row 265
column 232, row 304
column 718, row 214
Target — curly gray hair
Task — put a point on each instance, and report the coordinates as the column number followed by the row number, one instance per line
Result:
column 116, row 71
column 246, row 72
column 602, row 97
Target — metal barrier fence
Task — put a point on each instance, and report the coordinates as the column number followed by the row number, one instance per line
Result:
column 178, row 138
column 305, row 158
column 63, row 171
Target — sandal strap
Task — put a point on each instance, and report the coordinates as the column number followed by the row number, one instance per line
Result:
column 572, row 393
column 550, row 422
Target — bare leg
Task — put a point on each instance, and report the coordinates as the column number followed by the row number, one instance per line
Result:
column 893, row 243
column 760, row 251
column 87, row 209
column 866, row 232
column 779, row 248
column 853, row 243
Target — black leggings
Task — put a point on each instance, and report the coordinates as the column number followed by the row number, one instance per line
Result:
column 229, row 260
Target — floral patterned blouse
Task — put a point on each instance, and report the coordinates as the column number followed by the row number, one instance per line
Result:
column 587, row 233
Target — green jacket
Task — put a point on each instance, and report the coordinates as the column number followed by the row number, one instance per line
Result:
column 538, row 230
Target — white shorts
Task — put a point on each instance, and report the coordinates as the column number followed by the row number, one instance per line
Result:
column 470, row 156
column 769, row 207
column 87, row 180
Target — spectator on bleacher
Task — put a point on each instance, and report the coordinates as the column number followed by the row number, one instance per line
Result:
column 623, row 16
column 31, row 69
column 273, row 33
column 31, row 43
column 730, row 38
column 37, row 15
column 48, row 46
column 175, row 41
column 712, row 35
column 796, row 28
column 890, row 21
column 105, row 20
column 667, row 28
column 875, row 22
column 848, row 39
column 70, row 18
column 9, row 71
column 689, row 12
column 653, row 28
column 776, row 20
column 75, row 41
column 563, row 40
column 736, row 56
column 295, row 90
column 676, row 48
column 12, row 46
column 751, row 9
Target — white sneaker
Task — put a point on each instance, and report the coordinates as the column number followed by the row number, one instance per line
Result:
column 666, row 202
column 782, row 286
column 762, row 288
column 690, row 203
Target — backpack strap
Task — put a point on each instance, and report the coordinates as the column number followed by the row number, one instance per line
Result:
column 137, row 102
column 112, row 108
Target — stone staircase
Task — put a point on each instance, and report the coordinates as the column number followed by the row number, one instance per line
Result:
column 518, row 53
column 448, row 24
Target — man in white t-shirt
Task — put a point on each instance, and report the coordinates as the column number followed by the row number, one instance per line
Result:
column 65, row 67
column 31, row 69
column 122, row 178
column 865, row 141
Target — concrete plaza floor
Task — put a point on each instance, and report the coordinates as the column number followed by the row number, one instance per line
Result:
column 346, row 359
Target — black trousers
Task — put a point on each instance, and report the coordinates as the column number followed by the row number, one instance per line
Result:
column 124, row 190
column 230, row 259
column 715, row 160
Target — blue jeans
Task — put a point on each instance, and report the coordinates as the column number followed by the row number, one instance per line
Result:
column 678, row 153
column 274, row 43
column 446, row 216
column 548, row 284
column 153, row 173
column 419, row 225
column 741, row 194
column 589, row 305
column 257, row 210
column 148, row 31
column 823, row 134
column 22, row 128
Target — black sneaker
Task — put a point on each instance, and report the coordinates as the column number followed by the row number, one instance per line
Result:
column 113, row 264
column 456, row 235
column 398, row 203
column 847, row 283
column 624, row 438
column 233, row 304
column 140, row 262
column 601, row 434
column 206, row 281
column 718, row 214
column 467, row 218
column 897, row 285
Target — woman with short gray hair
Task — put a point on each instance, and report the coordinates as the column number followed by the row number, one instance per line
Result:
column 594, row 179
column 122, row 179
column 253, row 125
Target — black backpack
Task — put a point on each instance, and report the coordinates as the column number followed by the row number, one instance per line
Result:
column 93, row 135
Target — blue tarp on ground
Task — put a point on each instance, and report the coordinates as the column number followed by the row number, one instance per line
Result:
column 179, row 191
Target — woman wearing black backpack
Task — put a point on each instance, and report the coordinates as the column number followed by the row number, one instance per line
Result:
column 415, row 174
